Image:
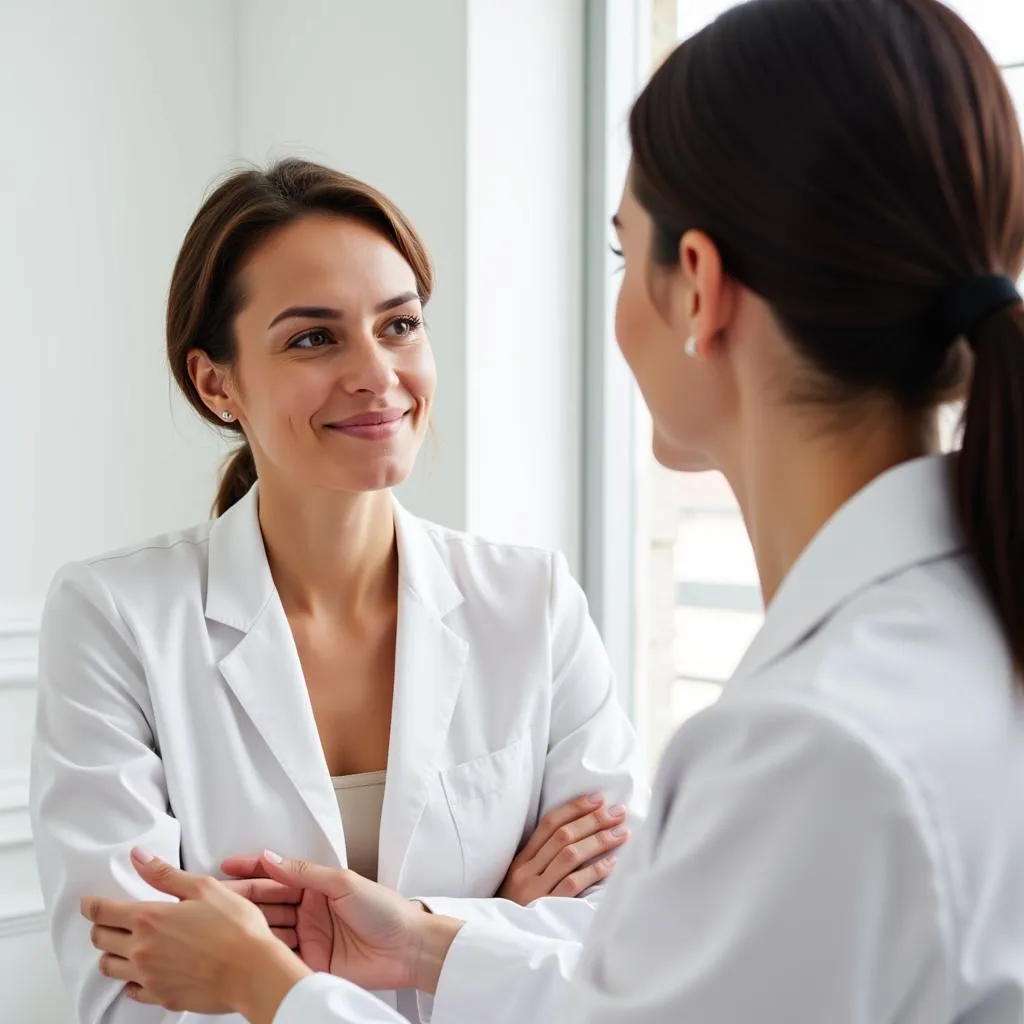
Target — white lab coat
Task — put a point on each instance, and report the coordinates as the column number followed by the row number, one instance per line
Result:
column 840, row 839
column 173, row 714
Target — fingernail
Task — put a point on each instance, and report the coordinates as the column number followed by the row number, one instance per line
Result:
column 142, row 856
column 619, row 831
column 617, row 811
column 609, row 862
column 595, row 798
column 274, row 858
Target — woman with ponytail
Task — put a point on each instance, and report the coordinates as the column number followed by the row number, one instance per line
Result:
column 822, row 230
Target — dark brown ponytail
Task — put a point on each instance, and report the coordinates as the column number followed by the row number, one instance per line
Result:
column 236, row 479
column 242, row 212
column 855, row 162
column 990, row 468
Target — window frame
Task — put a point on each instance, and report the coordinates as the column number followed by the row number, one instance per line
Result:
column 614, row 70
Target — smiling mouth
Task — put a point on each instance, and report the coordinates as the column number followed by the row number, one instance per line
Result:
column 371, row 426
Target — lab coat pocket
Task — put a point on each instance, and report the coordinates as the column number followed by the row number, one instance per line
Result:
column 489, row 798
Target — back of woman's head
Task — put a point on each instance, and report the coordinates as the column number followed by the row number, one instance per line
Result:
column 859, row 165
column 205, row 293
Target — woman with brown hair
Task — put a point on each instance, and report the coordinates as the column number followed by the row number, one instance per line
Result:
column 317, row 668
column 821, row 232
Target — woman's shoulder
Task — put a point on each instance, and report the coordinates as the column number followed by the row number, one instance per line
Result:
column 168, row 561
column 478, row 563
column 466, row 544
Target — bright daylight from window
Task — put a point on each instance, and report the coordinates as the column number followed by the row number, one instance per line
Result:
column 699, row 605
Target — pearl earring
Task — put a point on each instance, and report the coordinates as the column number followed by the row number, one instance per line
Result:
column 690, row 348
column 226, row 416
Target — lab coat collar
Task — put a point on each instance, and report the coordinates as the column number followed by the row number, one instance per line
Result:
column 430, row 663
column 901, row 519
column 240, row 584
column 264, row 673
column 422, row 571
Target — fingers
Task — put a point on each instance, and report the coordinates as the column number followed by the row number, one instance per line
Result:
column 140, row 994
column 289, row 936
column 111, row 940
column 554, row 820
column 580, row 881
column 301, row 874
column 573, row 857
column 117, row 967
column 573, row 831
column 244, row 865
column 280, row 915
column 109, row 913
column 278, row 903
column 165, row 878
column 264, row 890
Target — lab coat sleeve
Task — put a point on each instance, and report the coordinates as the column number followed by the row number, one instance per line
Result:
column 591, row 748
column 323, row 999
column 791, row 873
column 97, row 784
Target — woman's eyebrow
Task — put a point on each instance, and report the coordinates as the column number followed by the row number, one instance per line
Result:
column 327, row 313
column 306, row 313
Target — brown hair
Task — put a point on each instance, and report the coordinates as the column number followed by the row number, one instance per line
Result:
column 854, row 161
column 244, row 210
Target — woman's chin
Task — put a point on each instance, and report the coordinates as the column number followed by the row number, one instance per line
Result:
column 679, row 458
column 377, row 474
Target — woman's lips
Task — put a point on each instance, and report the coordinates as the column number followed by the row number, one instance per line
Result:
column 371, row 426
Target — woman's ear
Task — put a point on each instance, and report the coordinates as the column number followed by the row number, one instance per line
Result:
column 211, row 381
column 705, row 296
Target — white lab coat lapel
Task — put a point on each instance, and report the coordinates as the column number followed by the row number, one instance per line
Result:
column 263, row 669
column 901, row 519
column 430, row 660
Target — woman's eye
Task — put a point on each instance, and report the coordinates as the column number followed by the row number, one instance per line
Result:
column 312, row 339
column 403, row 326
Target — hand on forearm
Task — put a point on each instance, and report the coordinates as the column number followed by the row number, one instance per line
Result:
column 353, row 928
column 209, row 952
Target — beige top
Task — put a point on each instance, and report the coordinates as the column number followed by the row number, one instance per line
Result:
column 360, row 798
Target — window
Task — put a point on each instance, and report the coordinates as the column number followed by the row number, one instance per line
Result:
column 698, row 601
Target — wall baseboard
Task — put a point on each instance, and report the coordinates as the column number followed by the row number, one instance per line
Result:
column 15, row 828
column 20, row 899
column 19, row 642
column 29, row 922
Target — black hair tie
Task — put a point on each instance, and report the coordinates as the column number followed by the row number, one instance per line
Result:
column 966, row 306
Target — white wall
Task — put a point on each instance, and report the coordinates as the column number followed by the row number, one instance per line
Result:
column 98, row 189
column 469, row 114
column 116, row 118
column 379, row 90
column 524, row 271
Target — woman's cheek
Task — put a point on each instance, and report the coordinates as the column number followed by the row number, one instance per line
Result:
column 421, row 374
column 630, row 317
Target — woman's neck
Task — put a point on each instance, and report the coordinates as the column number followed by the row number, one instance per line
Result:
column 791, row 477
column 333, row 554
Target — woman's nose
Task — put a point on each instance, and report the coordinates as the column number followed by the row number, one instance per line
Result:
column 369, row 368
